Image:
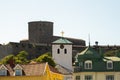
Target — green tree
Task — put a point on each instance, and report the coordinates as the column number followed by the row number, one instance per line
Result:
column 21, row 57
column 6, row 59
column 46, row 58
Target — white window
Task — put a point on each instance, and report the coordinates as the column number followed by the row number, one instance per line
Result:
column 88, row 64
column 18, row 72
column 110, row 77
column 3, row 72
column 88, row 77
column 77, row 78
column 109, row 65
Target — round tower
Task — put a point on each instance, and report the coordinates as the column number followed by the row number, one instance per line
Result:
column 40, row 32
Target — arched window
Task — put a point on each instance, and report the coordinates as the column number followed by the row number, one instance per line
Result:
column 88, row 64
column 65, row 51
column 58, row 51
column 109, row 65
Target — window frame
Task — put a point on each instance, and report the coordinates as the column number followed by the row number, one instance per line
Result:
column 110, row 77
column 88, row 77
column 18, row 74
column 88, row 64
column 77, row 77
column 3, row 72
column 109, row 65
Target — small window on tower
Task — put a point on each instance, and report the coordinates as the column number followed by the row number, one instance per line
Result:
column 65, row 51
column 58, row 51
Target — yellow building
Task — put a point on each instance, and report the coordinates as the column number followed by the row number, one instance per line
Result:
column 34, row 71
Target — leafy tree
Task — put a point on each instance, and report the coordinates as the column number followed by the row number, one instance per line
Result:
column 21, row 57
column 46, row 58
column 6, row 59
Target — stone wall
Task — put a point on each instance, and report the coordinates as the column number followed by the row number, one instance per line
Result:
column 5, row 50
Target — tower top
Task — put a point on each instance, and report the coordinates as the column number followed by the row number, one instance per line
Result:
column 40, row 22
column 62, row 41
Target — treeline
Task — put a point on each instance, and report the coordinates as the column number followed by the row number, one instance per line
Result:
column 21, row 58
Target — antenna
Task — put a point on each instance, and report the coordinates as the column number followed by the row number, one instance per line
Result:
column 89, row 39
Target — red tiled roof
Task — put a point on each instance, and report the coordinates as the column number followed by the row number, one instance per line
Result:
column 34, row 69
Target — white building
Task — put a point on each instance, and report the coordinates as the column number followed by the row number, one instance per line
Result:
column 62, row 55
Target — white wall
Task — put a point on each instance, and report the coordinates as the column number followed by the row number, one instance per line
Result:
column 63, row 59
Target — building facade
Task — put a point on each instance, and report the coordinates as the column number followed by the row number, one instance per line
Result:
column 91, row 65
column 62, row 55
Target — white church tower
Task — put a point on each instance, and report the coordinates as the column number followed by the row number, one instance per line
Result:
column 62, row 53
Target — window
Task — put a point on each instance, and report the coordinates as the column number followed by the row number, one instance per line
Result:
column 110, row 77
column 3, row 72
column 109, row 65
column 65, row 51
column 58, row 51
column 18, row 72
column 80, row 64
column 77, row 78
column 88, row 64
column 88, row 77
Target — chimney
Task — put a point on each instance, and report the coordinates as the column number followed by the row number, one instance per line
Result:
column 96, row 43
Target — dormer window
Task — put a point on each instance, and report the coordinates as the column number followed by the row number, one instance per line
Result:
column 88, row 64
column 109, row 65
column 18, row 70
column 3, row 70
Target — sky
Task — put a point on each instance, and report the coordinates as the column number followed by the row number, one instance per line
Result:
column 77, row 18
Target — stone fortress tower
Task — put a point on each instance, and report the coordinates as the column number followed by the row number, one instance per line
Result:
column 40, row 40
column 40, row 32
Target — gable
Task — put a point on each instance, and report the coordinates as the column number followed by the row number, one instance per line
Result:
column 18, row 67
column 3, row 67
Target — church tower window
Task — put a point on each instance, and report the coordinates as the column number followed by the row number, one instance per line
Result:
column 65, row 51
column 58, row 51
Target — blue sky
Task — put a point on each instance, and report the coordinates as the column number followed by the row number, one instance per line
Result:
column 77, row 18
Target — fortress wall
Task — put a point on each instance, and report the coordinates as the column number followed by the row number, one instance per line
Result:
column 5, row 50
